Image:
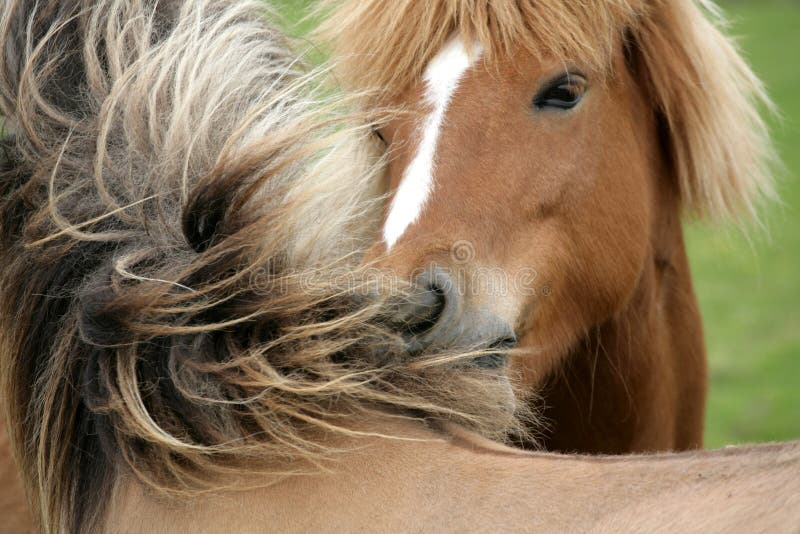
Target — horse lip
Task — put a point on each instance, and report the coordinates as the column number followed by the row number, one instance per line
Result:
column 414, row 346
column 492, row 361
column 495, row 354
column 498, row 359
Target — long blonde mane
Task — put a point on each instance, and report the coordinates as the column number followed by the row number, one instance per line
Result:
column 176, row 193
column 709, row 98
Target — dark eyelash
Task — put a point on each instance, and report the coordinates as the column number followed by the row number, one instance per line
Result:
column 544, row 98
column 379, row 135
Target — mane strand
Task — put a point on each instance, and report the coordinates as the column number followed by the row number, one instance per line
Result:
column 176, row 198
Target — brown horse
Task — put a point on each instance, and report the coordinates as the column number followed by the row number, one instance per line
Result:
column 177, row 353
column 538, row 180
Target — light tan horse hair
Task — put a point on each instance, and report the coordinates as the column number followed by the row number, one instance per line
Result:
column 175, row 184
column 455, row 481
column 708, row 96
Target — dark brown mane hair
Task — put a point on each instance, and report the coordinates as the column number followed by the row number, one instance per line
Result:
column 174, row 198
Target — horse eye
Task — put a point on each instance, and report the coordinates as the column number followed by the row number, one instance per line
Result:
column 378, row 134
column 563, row 93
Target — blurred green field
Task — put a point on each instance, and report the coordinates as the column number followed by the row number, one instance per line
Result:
column 749, row 289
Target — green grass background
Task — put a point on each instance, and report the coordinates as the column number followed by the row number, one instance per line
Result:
column 749, row 289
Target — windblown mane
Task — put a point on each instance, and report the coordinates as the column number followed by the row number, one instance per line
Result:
column 707, row 95
column 174, row 199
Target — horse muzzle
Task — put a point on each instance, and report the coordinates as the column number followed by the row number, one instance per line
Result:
column 437, row 317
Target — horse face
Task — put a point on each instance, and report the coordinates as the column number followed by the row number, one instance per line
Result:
column 522, row 200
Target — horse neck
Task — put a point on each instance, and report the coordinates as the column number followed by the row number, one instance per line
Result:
column 460, row 482
column 638, row 382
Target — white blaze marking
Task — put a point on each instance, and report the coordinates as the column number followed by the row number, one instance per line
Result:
column 442, row 76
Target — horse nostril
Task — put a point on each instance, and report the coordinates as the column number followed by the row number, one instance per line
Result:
column 426, row 312
column 425, row 306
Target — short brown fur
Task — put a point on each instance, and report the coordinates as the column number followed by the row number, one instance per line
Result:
column 590, row 199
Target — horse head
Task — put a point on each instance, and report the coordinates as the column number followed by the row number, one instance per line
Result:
column 538, row 173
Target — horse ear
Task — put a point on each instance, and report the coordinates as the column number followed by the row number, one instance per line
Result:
column 711, row 103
